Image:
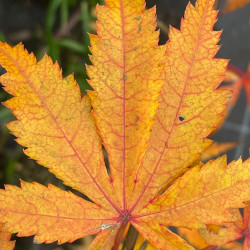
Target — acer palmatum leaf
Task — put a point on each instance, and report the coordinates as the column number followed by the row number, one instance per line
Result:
column 216, row 148
column 230, row 232
column 193, row 237
column 237, row 80
column 126, row 78
column 190, row 105
column 152, row 113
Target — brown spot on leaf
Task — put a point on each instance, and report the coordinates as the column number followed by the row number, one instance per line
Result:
column 139, row 28
column 181, row 118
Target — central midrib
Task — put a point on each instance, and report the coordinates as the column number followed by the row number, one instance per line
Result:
column 59, row 216
column 124, row 106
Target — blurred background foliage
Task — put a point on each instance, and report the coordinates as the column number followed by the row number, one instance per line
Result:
column 59, row 28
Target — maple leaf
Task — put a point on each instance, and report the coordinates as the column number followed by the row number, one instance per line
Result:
column 5, row 242
column 234, row 84
column 237, row 80
column 231, row 232
column 215, row 149
column 194, row 237
column 152, row 111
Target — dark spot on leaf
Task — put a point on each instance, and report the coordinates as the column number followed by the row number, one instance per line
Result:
column 124, row 77
column 91, row 109
column 134, row 49
column 181, row 118
column 139, row 28
column 106, row 160
column 166, row 144
column 138, row 18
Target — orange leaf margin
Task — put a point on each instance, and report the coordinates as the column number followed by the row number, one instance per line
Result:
column 5, row 243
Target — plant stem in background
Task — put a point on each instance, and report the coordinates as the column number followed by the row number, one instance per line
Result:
column 63, row 31
column 53, row 48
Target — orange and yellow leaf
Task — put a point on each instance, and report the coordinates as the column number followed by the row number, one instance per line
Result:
column 51, row 213
column 234, row 84
column 237, row 80
column 151, row 112
column 160, row 237
column 202, row 196
column 55, row 123
column 190, row 105
column 125, row 76
column 231, row 232
column 246, row 227
column 193, row 237
column 216, row 149
column 105, row 239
